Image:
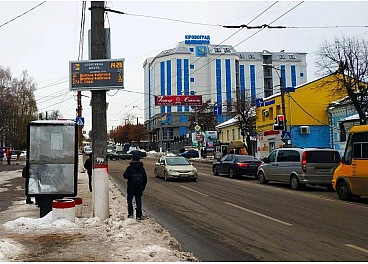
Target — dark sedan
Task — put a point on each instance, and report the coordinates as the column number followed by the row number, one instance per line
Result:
column 138, row 152
column 192, row 153
column 236, row 165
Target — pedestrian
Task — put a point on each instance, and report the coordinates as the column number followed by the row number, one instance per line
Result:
column 88, row 167
column 8, row 155
column 24, row 175
column 137, row 181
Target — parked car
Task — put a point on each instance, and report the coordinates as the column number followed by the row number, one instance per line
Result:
column 87, row 150
column 15, row 154
column 175, row 167
column 192, row 153
column 23, row 155
column 300, row 166
column 122, row 154
column 351, row 177
column 113, row 155
column 236, row 165
column 140, row 152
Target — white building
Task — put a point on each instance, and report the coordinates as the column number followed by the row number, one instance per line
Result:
column 217, row 72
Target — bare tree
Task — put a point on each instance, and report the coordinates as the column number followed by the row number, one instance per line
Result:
column 203, row 116
column 347, row 60
column 244, row 112
column 18, row 107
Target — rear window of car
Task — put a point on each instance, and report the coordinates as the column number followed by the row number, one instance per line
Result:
column 316, row 156
column 244, row 158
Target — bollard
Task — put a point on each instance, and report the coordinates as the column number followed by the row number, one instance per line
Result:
column 78, row 205
column 63, row 209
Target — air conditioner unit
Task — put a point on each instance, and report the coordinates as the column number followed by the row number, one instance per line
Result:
column 304, row 130
column 265, row 113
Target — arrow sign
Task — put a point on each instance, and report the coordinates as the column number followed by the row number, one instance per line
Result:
column 79, row 121
column 285, row 135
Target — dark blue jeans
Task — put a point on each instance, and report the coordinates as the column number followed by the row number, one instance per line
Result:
column 137, row 193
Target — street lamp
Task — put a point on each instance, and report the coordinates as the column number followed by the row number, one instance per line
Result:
column 282, row 92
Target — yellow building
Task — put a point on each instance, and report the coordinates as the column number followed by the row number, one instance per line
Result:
column 307, row 123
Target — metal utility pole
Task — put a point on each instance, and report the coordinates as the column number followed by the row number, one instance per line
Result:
column 100, row 179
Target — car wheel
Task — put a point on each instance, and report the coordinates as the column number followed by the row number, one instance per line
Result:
column 155, row 173
column 231, row 174
column 343, row 191
column 262, row 178
column 214, row 171
column 295, row 183
column 165, row 176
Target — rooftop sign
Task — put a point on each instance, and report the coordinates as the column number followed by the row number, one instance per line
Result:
column 197, row 39
column 96, row 75
column 177, row 100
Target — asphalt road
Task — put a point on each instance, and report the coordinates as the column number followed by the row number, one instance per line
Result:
column 222, row 219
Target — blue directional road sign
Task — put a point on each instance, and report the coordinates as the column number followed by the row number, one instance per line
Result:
column 79, row 121
column 285, row 135
column 217, row 110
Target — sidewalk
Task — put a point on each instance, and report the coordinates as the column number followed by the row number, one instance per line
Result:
column 26, row 237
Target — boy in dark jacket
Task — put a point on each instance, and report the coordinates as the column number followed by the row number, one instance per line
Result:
column 137, row 181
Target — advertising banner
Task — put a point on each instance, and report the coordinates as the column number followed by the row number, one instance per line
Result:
column 177, row 100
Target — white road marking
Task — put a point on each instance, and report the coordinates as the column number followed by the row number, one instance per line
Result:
column 194, row 191
column 357, row 248
column 259, row 214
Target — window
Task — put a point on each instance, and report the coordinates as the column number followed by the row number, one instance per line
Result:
column 217, row 50
column 191, row 49
column 192, row 66
column 227, row 50
column 301, row 74
column 272, row 157
column 282, row 156
column 239, row 133
column 233, row 132
column 292, row 56
column 282, row 57
column 227, row 135
column 191, row 79
column 251, row 56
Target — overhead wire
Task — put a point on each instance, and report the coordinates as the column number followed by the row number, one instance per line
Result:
column 11, row 20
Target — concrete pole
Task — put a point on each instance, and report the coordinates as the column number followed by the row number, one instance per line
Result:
column 100, row 177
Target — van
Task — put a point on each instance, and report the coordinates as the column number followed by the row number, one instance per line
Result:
column 300, row 166
column 351, row 177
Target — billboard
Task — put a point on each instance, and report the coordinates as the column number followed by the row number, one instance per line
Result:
column 96, row 75
column 177, row 100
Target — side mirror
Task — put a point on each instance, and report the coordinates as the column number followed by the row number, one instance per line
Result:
column 265, row 160
column 343, row 160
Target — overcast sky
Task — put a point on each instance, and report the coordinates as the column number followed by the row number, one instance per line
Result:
column 44, row 40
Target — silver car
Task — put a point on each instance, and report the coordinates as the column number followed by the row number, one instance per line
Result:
column 300, row 166
column 175, row 167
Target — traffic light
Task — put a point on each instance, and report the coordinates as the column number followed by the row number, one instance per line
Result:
column 279, row 123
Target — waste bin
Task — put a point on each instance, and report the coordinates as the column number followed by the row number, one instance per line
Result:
column 78, row 205
column 63, row 209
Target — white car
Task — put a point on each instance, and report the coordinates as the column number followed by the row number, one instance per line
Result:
column 176, row 167
column 87, row 150
column 23, row 155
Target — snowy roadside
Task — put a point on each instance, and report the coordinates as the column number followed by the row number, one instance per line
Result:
column 26, row 237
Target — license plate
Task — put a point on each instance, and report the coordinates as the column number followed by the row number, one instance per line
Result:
column 323, row 170
column 183, row 175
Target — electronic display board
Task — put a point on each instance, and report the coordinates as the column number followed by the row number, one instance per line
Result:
column 96, row 75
